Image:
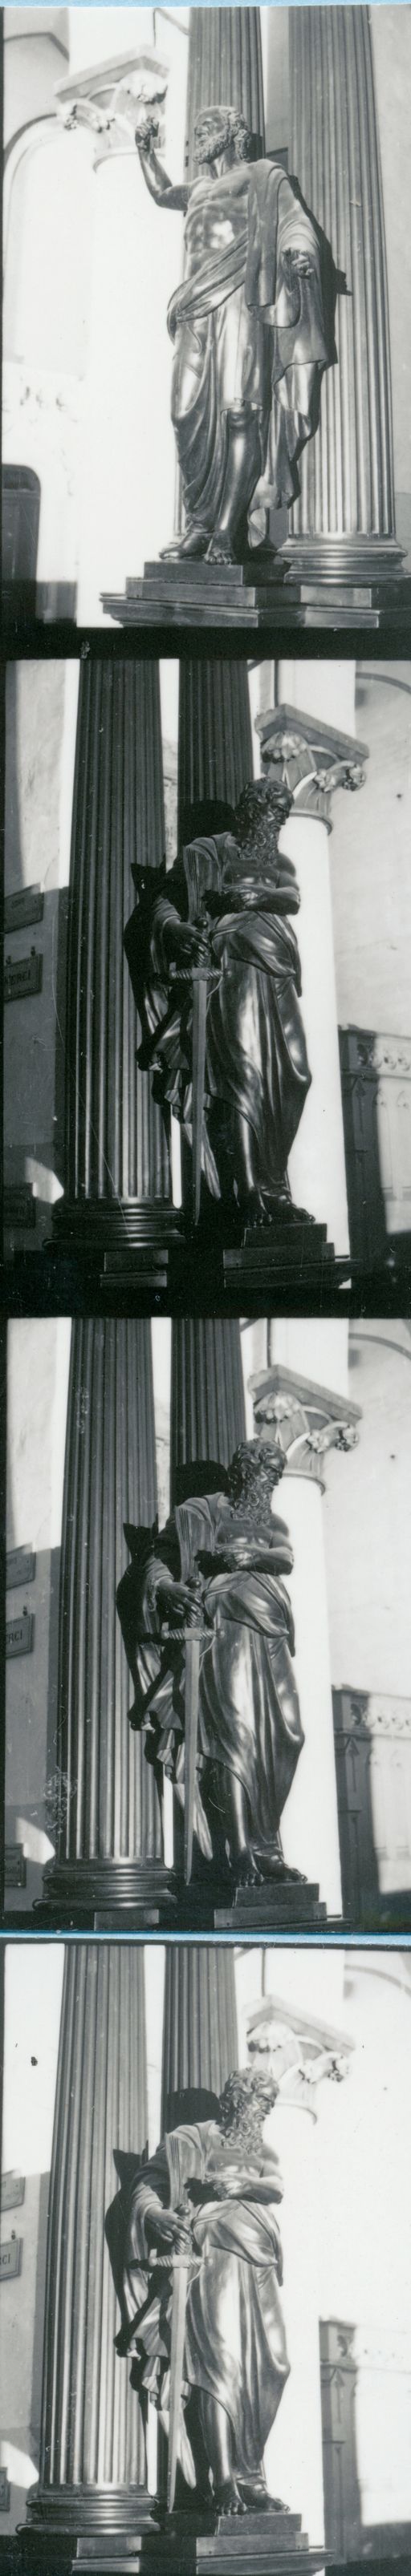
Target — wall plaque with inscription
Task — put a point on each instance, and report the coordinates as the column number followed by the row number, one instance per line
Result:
column 12, row 2190
column 20, row 1567
column 20, row 1634
column 10, row 2254
column 23, row 976
column 19, row 1205
column 21, row 909
column 15, row 1865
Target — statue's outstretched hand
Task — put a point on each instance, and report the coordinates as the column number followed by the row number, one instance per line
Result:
column 147, row 128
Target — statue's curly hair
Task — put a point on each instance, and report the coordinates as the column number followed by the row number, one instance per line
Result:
column 235, row 129
column 243, row 2101
column 262, row 808
column 254, row 1462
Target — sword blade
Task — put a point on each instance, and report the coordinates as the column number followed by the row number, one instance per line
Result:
column 199, row 1058
column 178, row 2320
column 191, row 1693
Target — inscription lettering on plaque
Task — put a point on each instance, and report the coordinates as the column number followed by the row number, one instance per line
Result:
column 19, row 1634
column 19, row 1204
column 21, row 909
column 10, row 2259
column 23, row 976
column 13, row 2187
column 15, row 1865
column 20, row 1567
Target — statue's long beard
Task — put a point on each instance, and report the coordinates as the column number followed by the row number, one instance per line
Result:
column 246, row 2132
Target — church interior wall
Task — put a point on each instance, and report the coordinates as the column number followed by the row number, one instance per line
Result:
column 370, row 862
column 367, row 1519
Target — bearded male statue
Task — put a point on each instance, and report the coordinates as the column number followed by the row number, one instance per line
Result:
column 218, row 1566
column 250, row 333
column 207, row 2200
column 223, row 915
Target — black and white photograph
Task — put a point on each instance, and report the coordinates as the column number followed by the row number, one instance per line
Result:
column 208, row 1623
column 205, row 1290
column 207, row 386
column 206, row 2258
column 207, row 1022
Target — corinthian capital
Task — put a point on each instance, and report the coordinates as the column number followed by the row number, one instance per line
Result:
column 310, row 759
column 300, row 2051
column 303, row 1420
column 109, row 99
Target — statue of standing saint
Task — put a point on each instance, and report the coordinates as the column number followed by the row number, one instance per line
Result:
column 220, row 921
column 249, row 332
column 218, row 1568
column 194, row 2232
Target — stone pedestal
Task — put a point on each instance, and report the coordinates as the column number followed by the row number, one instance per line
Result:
column 308, row 1418
column 117, row 1169
column 108, row 1838
column 92, row 2457
column 263, row 2541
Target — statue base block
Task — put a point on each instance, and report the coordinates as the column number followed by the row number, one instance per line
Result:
column 279, row 1256
column 318, row 581
column 287, row 1905
column 244, row 2546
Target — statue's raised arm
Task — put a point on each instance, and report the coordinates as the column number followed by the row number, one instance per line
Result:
column 147, row 131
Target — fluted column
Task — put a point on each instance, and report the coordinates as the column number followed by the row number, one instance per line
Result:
column 116, row 1149
column 308, row 1417
column 92, row 2455
column 207, row 1392
column 215, row 754
column 200, row 2036
column 346, row 473
column 225, row 69
column 108, row 1816
column 314, row 759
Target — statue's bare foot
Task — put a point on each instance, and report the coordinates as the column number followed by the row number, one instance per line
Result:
column 194, row 542
column 220, row 550
column 274, row 1866
column 246, row 1871
column 256, row 2496
column 254, row 1211
column 227, row 2499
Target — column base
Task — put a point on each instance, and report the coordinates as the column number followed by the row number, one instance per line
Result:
column 62, row 2521
column 106, row 1895
column 130, row 1237
column 346, row 581
column 188, row 2542
column 331, row 581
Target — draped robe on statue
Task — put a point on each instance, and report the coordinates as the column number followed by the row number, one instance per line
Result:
column 248, row 1714
column 235, row 2349
column 249, row 331
column 256, row 1073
